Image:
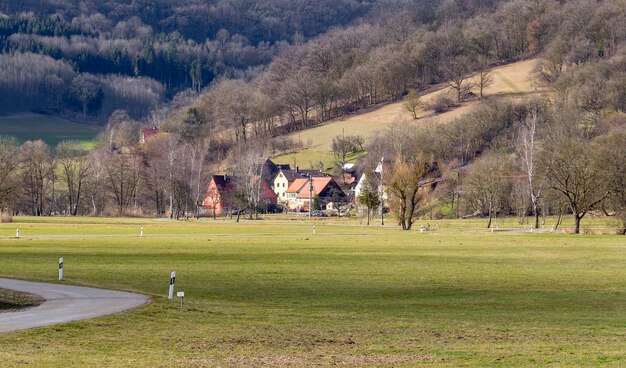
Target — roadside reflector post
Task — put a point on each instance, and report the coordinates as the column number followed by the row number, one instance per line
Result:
column 61, row 269
column 141, row 232
column 17, row 233
column 181, row 295
column 172, row 280
column 314, row 229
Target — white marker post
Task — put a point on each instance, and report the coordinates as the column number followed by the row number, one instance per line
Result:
column 141, row 232
column 172, row 280
column 17, row 233
column 61, row 269
column 181, row 295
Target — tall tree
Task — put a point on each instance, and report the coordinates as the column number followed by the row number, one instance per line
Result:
column 75, row 167
column 408, row 188
column 528, row 152
column 487, row 184
column 37, row 173
column 123, row 172
column 369, row 197
column 572, row 168
column 9, row 161
column 457, row 71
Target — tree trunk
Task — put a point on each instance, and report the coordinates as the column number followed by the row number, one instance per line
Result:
column 577, row 218
column 536, row 219
column 558, row 220
column 490, row 215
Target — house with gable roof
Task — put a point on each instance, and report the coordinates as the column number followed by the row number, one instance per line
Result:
column 218, row 199
column 285, row 177
column 300, row 193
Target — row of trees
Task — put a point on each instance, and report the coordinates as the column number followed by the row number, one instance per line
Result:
column 119, row 177
column 535, row 160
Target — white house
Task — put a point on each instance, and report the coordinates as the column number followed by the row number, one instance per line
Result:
column 285, row 177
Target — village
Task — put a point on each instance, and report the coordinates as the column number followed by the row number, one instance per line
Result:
column 281, row 188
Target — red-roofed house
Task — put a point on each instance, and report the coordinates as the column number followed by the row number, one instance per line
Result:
column 299, row 193
column 146, row 133
column 218, row 197
column 216, row 200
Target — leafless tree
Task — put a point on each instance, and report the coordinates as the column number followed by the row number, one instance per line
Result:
column 457, row 72
column 123, row 172
column 487, row 184
column 408, row 187
column 75, row 170
column 9, row 161
column 484, row 76
column 412, row 103
column 528, row 152
column 37, row 174
column 572, row 169
column 297, row 94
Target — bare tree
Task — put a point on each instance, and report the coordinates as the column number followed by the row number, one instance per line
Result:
column 612, row 156
column 248, row 178
column 123, row 172
column 75, row 168
column 9, row 161
column 408, row 188
column 528, row 153
column 297, row 94
column 412, row 103
column 487, row 184
column 484, row 77
column 458, row 71
column 37, row 173
column 234, row 106
column 573, row 170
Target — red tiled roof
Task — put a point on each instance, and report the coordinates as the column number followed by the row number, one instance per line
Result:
column 302, row 186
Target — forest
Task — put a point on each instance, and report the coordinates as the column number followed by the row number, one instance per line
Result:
column 550, row 154
column 96, row 57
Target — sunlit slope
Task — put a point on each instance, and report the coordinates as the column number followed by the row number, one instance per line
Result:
column 512, row 81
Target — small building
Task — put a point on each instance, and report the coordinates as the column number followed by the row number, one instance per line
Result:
column 285, row 177
column 216, row 202
column 324, row 189
column 146, row 133
column 219, row 196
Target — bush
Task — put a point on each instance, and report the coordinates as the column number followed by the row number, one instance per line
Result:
column 441, row 103
column 5, row 218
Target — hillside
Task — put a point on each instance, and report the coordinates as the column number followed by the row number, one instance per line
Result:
column 52, row 130
column 512, row 81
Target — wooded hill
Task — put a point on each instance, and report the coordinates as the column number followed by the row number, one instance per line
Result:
column 94, row 57
column 519, row 157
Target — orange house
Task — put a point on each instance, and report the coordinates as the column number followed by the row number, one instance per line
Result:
column 218, row 195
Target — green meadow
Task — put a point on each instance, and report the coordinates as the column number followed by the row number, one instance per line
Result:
column 52, row 130
column 281, row 292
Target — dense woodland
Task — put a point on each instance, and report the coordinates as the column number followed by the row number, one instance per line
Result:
column 160, row 47
column 557, row 154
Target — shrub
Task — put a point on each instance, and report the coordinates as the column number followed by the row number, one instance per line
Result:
column 5, row 218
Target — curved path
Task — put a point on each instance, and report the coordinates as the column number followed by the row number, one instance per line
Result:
column 65, row 303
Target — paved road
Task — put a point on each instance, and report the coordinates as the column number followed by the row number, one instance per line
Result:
column 65, row 303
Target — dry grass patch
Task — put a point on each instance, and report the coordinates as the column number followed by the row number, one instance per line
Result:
column 514, row 81
column 13, row 300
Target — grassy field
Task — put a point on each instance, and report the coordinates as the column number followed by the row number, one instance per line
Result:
column 512, row 81
column 272, row 293
column 13, row 300
column 50, row 129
